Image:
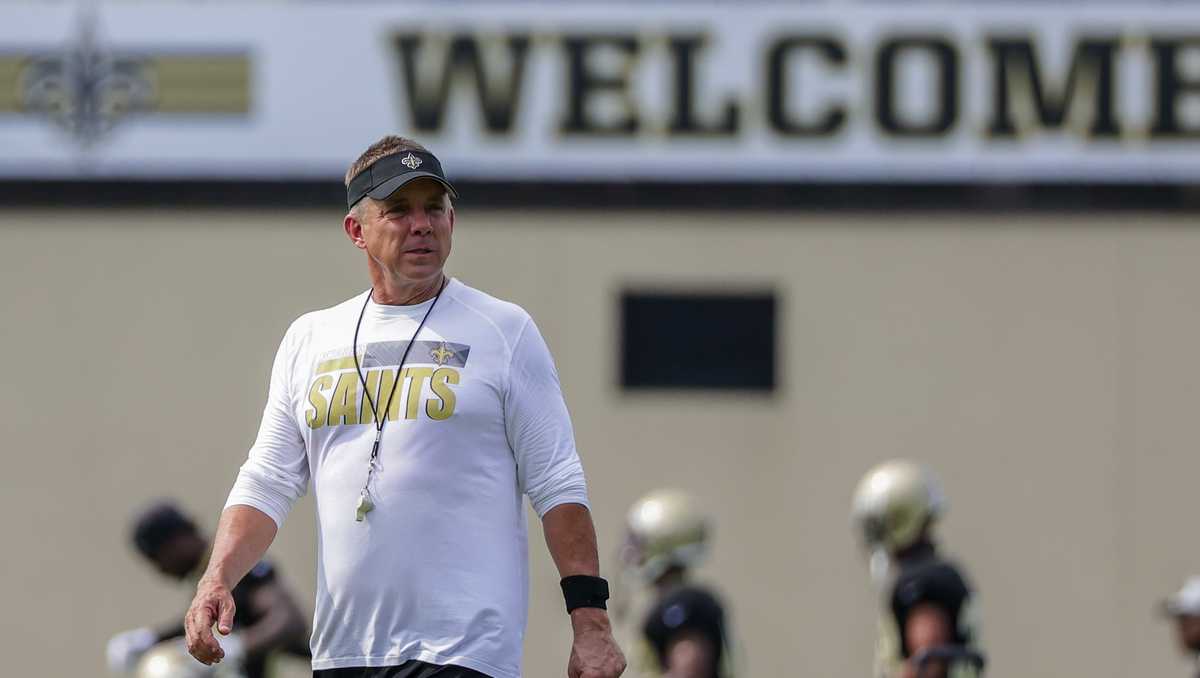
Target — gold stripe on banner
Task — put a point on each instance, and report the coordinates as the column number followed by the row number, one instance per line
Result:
column 201, row 84
column 10, row 83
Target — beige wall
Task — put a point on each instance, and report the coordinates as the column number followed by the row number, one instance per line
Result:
column 1045, row 365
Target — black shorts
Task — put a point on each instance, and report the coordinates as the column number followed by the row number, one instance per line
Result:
column 409, row 669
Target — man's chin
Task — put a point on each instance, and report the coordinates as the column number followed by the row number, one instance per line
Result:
column 431, row 274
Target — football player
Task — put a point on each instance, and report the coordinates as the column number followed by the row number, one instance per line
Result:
column 928, row 626
column 267, row 618
column 683, row 635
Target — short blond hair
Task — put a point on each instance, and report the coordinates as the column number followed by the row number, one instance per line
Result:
column 389, row 145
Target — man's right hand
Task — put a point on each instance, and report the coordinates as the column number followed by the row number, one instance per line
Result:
column 213, row 604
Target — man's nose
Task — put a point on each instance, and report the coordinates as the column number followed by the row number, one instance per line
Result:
column 421, row 223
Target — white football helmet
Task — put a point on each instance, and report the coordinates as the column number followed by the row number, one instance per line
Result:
column 170, row 659
column 894, row 503
column 665, row 529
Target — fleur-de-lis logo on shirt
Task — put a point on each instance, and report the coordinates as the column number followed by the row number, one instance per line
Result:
column 411, row 161
column 442, row 354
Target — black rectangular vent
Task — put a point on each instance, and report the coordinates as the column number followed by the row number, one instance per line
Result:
column 698, row 340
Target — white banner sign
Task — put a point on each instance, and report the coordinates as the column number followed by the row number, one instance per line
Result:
column 550, row 91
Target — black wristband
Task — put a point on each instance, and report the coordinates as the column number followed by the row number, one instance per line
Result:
column 581, row 590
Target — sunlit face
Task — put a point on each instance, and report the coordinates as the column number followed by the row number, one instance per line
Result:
column 179, row 555
column 407, row 235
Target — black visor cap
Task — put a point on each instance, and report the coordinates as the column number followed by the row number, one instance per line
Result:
column 386, row 175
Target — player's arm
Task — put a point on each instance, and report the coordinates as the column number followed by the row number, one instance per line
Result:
column 690, row 654
column 280, row 623
column 927, row 626
column 243, row 535
column 571, row 540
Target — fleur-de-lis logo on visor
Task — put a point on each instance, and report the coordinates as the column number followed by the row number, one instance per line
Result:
column 411, row 161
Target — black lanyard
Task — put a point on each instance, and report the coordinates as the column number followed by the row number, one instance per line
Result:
column 365, row 504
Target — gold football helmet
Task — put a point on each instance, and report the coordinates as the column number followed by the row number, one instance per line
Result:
column 170, row 659
column 665, row 529
column 894, row 503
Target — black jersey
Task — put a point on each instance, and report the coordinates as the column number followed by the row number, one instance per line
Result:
column 926, row 578
column 688, row 609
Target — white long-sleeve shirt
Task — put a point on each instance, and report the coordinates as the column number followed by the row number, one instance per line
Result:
column 438, row 571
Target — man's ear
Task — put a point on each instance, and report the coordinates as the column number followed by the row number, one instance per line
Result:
column 354, row 229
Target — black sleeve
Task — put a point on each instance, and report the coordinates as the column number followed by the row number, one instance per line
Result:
column 243, row 594
column 938, row 583
column 689, row 609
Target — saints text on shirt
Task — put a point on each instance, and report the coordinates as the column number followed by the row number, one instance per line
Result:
column 426, row 383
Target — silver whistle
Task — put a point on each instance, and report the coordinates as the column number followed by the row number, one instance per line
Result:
column 363, row 507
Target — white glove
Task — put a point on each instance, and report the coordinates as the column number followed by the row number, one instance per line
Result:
column 125, row 648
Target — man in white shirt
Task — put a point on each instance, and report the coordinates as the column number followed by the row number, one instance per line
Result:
column 421, row 412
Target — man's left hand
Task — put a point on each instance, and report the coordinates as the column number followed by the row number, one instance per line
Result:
column 594, row 654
